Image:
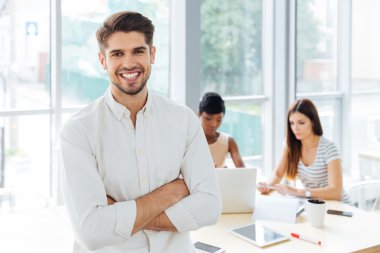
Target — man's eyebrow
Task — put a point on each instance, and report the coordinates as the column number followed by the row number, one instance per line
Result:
column 121, row 51
column 115, row 51
column 140, row 48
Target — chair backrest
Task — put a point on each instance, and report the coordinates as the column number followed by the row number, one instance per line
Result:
column 365, row 195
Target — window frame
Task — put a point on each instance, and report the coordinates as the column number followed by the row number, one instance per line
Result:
column 343, row 94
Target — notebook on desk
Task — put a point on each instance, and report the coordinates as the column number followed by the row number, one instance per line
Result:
column 238, row 189
column 268, row 208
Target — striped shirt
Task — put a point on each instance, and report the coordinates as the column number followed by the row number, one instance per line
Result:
column 315, row 175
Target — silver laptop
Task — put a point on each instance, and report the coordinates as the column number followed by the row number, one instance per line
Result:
column 238, row 189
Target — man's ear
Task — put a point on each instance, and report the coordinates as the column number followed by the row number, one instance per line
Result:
column 102, row 60
column 152, row 54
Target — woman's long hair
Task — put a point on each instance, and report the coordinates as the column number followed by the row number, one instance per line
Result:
column 294, row 146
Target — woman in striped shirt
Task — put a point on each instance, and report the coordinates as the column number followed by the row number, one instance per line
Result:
column 308, row 156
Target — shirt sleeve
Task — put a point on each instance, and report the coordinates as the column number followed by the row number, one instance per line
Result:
column 331, row 152
column 95, row 223
column 203, row 206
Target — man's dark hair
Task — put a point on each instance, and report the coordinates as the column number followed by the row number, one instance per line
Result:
column 212, row 103
column 125, row 21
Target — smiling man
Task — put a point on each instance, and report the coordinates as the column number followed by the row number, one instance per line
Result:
column 137, row 174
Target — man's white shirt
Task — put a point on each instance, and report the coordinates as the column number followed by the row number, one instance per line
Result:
column 102, row 154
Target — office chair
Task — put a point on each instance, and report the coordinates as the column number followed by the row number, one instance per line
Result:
column 365, row 195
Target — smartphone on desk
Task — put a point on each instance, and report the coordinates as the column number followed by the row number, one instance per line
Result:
column 337, row 212
column 207, row 248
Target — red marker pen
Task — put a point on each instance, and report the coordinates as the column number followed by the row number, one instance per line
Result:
column 306, row 238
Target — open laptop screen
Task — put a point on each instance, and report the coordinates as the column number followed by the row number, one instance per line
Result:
column 238, row 189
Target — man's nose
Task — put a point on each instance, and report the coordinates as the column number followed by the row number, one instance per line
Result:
column 129, row 62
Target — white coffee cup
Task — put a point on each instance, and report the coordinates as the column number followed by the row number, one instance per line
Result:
column 316, row 209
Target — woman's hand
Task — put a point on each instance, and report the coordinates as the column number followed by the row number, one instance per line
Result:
column 264, row 188
column 286, row 190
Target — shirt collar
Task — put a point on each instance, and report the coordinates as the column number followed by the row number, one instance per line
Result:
column 120, row 111
column 148, row 108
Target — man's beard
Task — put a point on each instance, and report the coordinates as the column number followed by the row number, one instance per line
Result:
column 131, row 92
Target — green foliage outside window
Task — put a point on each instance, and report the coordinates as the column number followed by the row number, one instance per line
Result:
column 231, row 47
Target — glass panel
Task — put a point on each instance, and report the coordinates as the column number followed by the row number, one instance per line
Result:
column 2, row 153
column 243, row 122
column 328, row 111
column 83, row 79
column 24, row 54
column 27, row 160
column 365, row 97
column 365, row 45
column 365, row 135
column 316, row 45
column 231, row 47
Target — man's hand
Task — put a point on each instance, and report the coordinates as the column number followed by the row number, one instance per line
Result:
column 178, row 189
column 174, row 191
column 155, row 203
column 110, row 200
column 161, row 223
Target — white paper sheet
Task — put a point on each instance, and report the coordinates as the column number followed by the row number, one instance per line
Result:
column 280, row 209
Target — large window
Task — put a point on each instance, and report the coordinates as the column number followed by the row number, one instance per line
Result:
column 365, row 121
column 231, row 47
column 231, row 36
column 83, row 79
column 243, row 122
column 316, row 45
column 233, row 63
column 316, row 61
column 25, row 90
column 348, row 101
column 24, row 54
column 27, row 160
column 29, row 120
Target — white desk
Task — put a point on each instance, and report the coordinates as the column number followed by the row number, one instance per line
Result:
column 360, row 233
column 48, row 230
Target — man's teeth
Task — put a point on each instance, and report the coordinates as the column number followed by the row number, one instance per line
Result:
column 132, row 75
